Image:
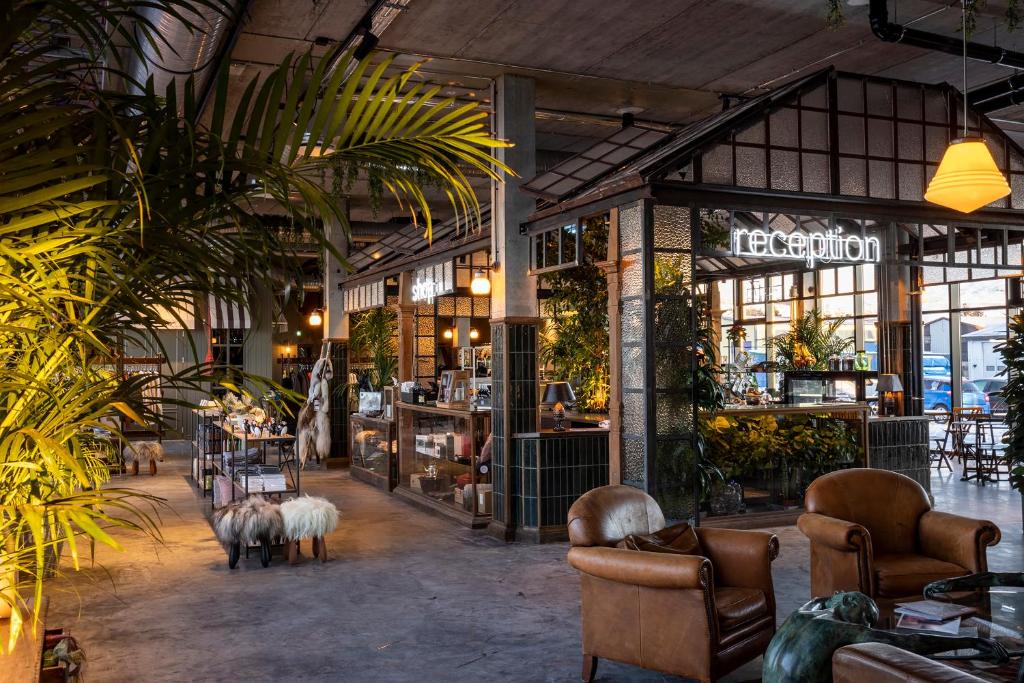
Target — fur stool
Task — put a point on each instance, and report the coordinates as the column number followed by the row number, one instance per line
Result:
column 308, row 517
column 252, row 521
column 140, row 450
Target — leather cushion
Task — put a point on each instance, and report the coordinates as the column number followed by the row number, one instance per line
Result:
column 737, row 606
column 678, row 538
column 905, row 575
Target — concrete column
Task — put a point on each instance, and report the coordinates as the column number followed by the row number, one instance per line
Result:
column 514, row 310
column 259, row 338
column 895, row 336
column 513, row 292
column 335, row 315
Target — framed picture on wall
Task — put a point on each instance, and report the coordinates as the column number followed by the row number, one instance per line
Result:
column 388, row 403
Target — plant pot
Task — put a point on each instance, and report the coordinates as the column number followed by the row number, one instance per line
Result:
column 7, row 593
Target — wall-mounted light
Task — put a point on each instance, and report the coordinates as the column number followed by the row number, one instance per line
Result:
column 474, row 333
column 481, row 284
column 449, row 334
column 214, row 340
column 287, row 350
column 315, row 319
column 298, row 333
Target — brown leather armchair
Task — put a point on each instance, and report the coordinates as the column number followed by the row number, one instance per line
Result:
column 884, row 663
column 874, row 531
column 688, row 615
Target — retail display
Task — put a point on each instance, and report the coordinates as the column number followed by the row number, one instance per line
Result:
column 442, row 460
column 374, row 450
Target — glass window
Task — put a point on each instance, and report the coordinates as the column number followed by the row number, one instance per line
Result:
column 983, row 294
column 837, row 306
column 844, row 280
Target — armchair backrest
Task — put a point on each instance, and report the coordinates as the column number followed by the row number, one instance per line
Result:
column 889, row 505
column 605, row 515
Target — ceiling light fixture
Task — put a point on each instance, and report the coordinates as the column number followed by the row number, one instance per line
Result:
column 967, row 178
column 481, row 284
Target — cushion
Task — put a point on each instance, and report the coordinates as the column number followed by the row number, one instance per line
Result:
column 738, row 606
column 678, row 538
column 904, row 575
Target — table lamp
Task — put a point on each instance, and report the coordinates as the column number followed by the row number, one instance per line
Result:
column 559, row 393
column 888, row 385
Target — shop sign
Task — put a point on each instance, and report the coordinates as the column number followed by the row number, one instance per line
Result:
column 831, row 246
column 432, row 281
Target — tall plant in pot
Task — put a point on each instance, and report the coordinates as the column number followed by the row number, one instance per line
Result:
column 374, row 338
column 809, row 343
column 1012, row 351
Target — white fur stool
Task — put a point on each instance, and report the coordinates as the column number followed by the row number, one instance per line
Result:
column 140, row 450
column 308, row 517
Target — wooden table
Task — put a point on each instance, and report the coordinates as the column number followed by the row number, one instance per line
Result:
column 245, row 439
column 24, row 663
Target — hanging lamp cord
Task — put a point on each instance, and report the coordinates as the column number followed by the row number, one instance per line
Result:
column 963, row 30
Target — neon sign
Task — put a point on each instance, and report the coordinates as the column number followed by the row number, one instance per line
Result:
column 432, row 281
column 811, row 247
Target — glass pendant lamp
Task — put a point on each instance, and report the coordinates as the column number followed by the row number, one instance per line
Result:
column 967, row 178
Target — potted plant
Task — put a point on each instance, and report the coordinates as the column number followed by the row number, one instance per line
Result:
column 1012, row 351
column 374, row 337
column 809, row 343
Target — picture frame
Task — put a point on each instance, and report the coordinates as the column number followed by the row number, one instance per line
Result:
column 370, row 403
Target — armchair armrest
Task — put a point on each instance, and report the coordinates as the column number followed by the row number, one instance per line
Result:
column 957, row 539
column 639, row 568
column 833, row 533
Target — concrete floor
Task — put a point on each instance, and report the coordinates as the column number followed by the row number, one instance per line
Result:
column 405, row 597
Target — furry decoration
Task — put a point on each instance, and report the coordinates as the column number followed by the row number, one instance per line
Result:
column 306, row 433
column 141, row 451
column 250, row 521
column 308, row 517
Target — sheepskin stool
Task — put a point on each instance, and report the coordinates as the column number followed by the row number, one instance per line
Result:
column 308, row 517
column 137, row 451
column 253, row 521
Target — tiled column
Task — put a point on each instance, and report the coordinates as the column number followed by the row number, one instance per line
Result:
column 514, row 322
column 335, row 315
column 611, row 273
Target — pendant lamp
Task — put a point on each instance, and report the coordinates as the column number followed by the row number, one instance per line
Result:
column 967, row 178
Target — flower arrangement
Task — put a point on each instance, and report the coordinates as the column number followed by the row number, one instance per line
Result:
column 737, row 333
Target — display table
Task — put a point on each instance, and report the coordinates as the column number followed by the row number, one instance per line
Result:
column 244, row 475
column 553, row 470
column 374, row 451
column 439, row 463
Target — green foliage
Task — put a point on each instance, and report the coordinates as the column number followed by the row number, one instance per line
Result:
column 714, row 229
column 575, row 337
column 117, row 212
column 819, row 336
column 834, row 14
column 1012, row 351
column 374, row 336
column 743, row 445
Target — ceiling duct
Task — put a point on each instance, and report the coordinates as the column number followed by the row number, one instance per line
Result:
column 178, row 52
column 991, row 97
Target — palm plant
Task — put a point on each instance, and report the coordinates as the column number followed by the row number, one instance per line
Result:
column 117, row 211
column 1012, row 351
column 373, row 335
column 813, row 334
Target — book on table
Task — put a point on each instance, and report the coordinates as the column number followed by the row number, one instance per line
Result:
column 949, row 627
column 932, row 610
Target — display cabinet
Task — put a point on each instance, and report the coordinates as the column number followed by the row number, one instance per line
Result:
column 374, row 450
column 820, row 386
column 441, row 465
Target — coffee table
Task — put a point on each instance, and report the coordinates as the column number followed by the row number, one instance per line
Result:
column 999, row 615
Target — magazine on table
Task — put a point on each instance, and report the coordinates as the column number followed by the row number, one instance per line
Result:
column 949, row 627
column 932, row 610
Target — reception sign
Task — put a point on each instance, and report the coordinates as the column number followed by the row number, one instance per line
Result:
column 830, row 246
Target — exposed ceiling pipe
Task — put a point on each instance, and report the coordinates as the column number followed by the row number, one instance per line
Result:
column 989, row 98
column 176, row 53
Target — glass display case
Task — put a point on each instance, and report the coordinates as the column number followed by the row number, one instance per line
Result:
column 374, row 450
column 442, row 463
column 811, row 386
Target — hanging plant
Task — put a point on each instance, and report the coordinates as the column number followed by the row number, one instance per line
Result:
column 834, row 14
column 1013, row 15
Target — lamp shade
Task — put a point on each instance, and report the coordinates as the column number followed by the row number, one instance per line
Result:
column 481, row 284
column 559, row 392
column 889, row 384
column 315, row 318
column 967, row 178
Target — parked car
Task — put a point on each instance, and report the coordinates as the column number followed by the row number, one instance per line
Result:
column 938, row 394
column 993, row 388
column 935, row 365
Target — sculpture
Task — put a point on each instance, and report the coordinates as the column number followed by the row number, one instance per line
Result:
column 802, row 649
column 973, row 581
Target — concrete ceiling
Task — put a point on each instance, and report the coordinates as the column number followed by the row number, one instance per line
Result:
column 672, row 59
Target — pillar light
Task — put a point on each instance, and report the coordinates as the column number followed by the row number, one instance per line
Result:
column 968, row 177
column 315, row 319
column 481, row 284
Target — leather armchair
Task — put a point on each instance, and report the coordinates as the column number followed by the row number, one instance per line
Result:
column 874, row 531
column 884, row 663
column 698, row 616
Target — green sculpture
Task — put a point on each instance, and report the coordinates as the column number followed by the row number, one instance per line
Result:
column 974, row 581
column 801, row 651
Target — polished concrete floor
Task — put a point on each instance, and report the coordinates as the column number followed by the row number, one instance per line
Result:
column 405, row 596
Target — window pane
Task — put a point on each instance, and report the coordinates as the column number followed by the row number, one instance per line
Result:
column 867, row 278
column 983, row 293
column 837, row 306
column 844, row 280
column 826, row 282
column 935, row 298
